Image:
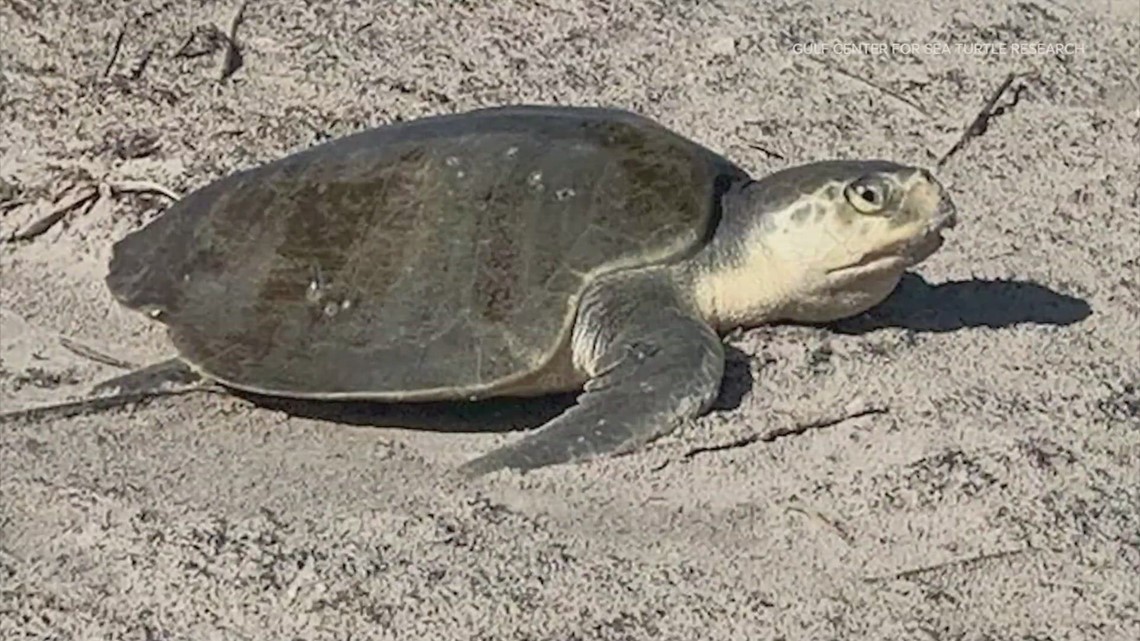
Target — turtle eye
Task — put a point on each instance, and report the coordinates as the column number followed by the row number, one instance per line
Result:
column 868, row 195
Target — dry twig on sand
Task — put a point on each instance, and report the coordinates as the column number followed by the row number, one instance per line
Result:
column 764, row 150
column 211, row 41
column 91, row 354
column 945, row 565
column 41, row 225
column 115, row 51
column 12, row 204
column 140, row 187
column 233, row 59
column 768, row 437
column 989, row 111
column 834, row 525
column 88, row 198
column 888, row 92
column 144, row 61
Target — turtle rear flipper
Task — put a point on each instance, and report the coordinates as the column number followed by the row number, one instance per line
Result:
column 655, row 365
column 156, row 377
column 165, row 378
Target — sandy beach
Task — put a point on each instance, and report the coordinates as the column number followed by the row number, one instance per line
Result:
column 961, row 463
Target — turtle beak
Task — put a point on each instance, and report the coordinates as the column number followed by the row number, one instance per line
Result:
column 946, row 216
column 945, row 213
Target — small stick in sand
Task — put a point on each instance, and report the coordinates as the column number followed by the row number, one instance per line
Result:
column 91, row 354
column 233, row 59
column 764, row 150
column 144, row 61
column 141, row 187
column 794, row 430
column 115, row 51
column 89, row 198
column 838, row 528
column 893, row 94
column 981, row 122
column 42, row 225
column 953, row 563
column 212, row 36
column 12, row 204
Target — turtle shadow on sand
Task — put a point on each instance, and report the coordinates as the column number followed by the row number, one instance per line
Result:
column 920, row 306
column 491, row 415
column 916, row 305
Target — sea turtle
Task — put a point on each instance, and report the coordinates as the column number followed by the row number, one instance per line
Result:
column 518, row 251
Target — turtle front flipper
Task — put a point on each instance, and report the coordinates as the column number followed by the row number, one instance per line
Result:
column 654, row 364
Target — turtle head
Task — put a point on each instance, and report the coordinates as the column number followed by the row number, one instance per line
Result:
column 822, row 241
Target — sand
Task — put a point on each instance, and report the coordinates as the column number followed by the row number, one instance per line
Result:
column 985, row 487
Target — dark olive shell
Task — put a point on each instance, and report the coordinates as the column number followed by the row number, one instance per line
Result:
column 435, row 258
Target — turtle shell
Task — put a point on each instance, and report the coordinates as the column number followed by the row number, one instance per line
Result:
column 431, row 259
